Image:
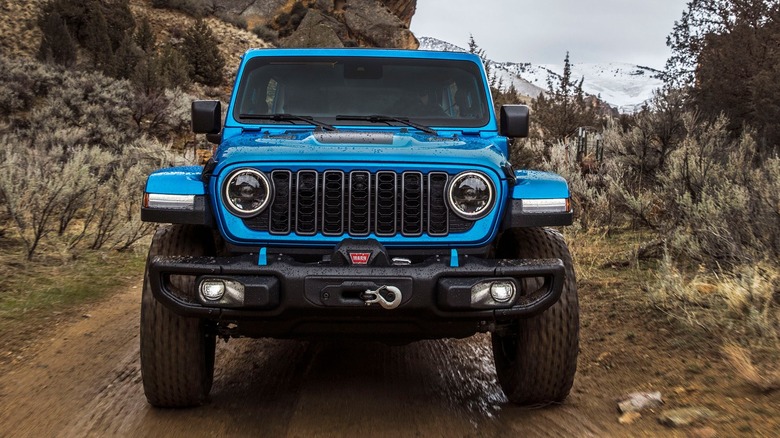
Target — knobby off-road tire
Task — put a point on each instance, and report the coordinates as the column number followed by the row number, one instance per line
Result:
column 536, row 358
column 177, row 353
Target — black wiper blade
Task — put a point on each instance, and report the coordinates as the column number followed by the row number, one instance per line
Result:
column 378, row 118
column 282, row 117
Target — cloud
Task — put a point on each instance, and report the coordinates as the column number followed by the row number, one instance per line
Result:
column 522, row 30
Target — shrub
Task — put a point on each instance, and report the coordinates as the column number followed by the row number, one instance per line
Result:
column 195, row 8
column 232, row 19
column 79, row 159
column 97, row 26
column 721, row 206
column 266, row 34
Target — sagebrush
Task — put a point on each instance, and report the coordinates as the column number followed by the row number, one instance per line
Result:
column 79, row 148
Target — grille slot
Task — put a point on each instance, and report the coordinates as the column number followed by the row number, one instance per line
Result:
column 306, row 210
column 333, row 203
column 386, row 198
column 438, row 213
column 359, row 203
column 281, row 209
column 412, row 206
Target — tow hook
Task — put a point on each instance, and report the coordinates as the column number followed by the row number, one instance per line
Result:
column 375, row 296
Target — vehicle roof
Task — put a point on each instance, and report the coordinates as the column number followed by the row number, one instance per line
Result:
column 363, row 52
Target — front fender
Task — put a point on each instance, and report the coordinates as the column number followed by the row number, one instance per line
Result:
column 538, row 199
column 176, row 195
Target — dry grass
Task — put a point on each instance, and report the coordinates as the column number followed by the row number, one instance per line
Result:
column 599, row 247
column 752, row 293
column 53, row 283
column 747, row 298
column 763, row 380
column 739, row 309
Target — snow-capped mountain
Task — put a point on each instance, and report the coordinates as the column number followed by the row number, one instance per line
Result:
column 624, row 86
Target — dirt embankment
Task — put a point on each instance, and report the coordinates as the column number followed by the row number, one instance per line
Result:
column 84, row 380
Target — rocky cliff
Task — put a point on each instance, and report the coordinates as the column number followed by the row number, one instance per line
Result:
column 331, row 23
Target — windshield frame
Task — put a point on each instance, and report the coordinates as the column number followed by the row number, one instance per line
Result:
column 458, row 61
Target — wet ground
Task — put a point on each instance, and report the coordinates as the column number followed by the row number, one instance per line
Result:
column 84, row 380
column 81, row 377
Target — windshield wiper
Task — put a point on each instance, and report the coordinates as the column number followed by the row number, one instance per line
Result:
column 287, row 118
column 377, row 118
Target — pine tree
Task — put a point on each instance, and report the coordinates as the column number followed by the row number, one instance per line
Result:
column 56, row 44
column 562, row 108
column 126, row 58
column 495, row 83
column 175, row 68
column 725, row 54
column 201, row 49
column 95, row 38
column 144, row 36
column 473, row 47
column 703, row 18
column 147, row 75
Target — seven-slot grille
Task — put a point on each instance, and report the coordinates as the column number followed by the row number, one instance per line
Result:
column 359, row 203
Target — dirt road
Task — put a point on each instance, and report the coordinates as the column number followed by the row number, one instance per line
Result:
column 83, row 379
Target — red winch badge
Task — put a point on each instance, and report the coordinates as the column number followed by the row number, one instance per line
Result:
column 360, row 258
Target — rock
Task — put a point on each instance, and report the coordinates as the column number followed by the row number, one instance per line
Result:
column 86, row 316
column 249, row 8
column 629, row 417
column 704, row 432
column 376, row 26
column 316, row 30
column 403, row 9
column 639, row 401
column 684, row 416
column 369, row 23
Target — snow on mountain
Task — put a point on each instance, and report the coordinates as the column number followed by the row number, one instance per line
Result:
column 625, row 86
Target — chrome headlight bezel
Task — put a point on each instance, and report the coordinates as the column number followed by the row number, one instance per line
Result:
column 484, row 211
column 236, row 210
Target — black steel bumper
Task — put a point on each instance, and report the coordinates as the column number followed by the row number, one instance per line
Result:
column 284, row 295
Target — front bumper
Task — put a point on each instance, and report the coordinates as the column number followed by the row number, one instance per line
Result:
column 285, row 298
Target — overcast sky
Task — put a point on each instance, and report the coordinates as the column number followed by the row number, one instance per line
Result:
column 541, row 31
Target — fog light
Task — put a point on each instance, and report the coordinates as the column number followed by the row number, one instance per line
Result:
column 502, row 291
column 212, row 290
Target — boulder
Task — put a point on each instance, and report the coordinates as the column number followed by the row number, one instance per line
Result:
column 376, row 26
column 316, row 30
column 403, row 9
column 367, row 23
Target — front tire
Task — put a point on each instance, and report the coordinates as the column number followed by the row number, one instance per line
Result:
column 536, row 358
column 177, row 353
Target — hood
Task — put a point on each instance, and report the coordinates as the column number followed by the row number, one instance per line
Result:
column 358, row 146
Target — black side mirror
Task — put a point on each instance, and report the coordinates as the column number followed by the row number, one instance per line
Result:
column 206, row 116
column 514, row 121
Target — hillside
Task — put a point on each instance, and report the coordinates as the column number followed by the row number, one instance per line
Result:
column 20, row 35
column 624, row 86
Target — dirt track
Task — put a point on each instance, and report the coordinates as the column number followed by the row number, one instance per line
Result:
column 85, row 381
column 82, row 378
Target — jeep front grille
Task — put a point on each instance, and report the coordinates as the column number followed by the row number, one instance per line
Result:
column 359, row 203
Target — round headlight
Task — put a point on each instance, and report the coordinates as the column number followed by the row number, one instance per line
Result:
column 471, row 195
column 247, row 192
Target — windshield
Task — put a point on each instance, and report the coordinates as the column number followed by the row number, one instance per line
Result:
column 443, row 93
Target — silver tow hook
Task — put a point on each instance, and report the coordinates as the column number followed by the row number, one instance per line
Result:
column 374, row 296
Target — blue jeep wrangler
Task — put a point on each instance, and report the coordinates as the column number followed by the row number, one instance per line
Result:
column 358, row 194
